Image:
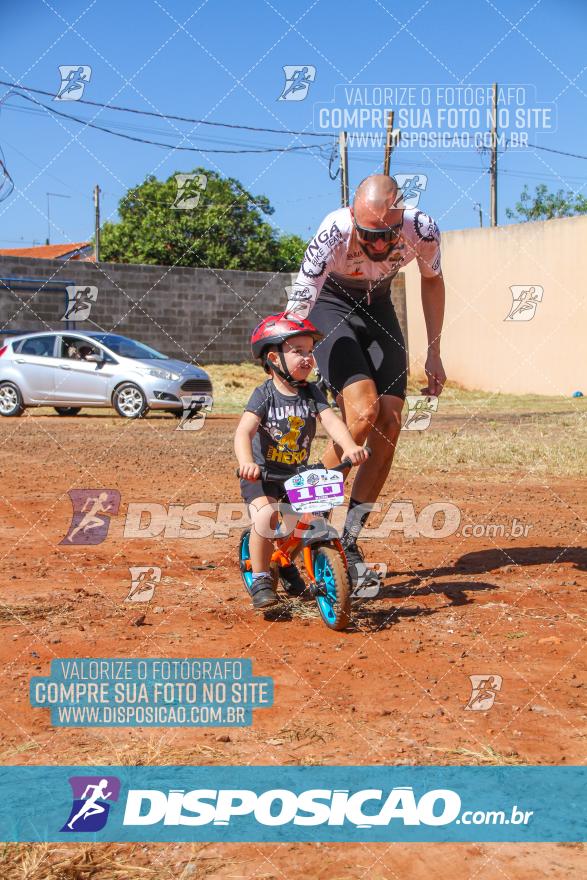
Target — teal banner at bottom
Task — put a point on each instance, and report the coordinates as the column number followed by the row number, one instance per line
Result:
column 344, row 804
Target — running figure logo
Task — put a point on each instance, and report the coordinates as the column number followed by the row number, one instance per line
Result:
column 143, row 581
column 367, row 587
column 73, row 82
column 411, row 187
column 79, row 302
column 484, row 689
column 189, row 189
column 92, row 509
column 90, row 808
column 195, row 409
column 297, row 82
column 420, row 409
column 525, row 299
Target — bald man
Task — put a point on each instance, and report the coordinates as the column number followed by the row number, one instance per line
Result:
column 345, row 282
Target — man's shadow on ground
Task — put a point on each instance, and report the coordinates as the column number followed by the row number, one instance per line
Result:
column 456, row 592
column 483, row 561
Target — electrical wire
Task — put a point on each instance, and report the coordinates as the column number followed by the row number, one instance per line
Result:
column 166, row 115
column 140, row 140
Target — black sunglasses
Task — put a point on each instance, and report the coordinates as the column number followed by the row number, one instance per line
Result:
column 388, row 233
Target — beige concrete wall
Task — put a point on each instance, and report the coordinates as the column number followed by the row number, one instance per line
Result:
column 480, row 349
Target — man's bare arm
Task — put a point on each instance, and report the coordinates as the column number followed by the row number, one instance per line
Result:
column 433, row 297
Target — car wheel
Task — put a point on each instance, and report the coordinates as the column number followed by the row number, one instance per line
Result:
column 10, row 400
column 129, row 401
column 67, row 410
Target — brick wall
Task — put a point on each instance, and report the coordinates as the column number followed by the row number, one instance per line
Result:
column 201, row 314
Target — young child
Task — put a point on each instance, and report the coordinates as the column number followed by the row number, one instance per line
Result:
column 276, row 431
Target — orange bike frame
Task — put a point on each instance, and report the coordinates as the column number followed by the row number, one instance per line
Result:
column 286, row 547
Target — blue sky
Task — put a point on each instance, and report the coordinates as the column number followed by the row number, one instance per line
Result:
column 223, row 61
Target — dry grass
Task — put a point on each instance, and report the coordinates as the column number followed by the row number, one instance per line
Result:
column 306, row 735
column 151, row 750
column 34, row 611
column 41, row 861
column 18, row 750
column 474, row 430
column 486, row 756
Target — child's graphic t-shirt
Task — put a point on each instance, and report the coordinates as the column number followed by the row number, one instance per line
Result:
column 288, row 425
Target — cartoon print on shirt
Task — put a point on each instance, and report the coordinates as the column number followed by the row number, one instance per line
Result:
column 290, row 440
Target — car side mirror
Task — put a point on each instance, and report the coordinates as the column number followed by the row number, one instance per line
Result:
column 96, row 358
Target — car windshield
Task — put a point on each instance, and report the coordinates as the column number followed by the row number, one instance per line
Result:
column 129, row 348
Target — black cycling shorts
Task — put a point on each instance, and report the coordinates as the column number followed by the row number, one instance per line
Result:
column 362, row 341
column 253, row 489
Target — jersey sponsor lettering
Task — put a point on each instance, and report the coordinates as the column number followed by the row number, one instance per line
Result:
column 335, row 249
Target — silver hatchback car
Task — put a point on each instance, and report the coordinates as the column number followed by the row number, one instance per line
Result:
column 70, row 370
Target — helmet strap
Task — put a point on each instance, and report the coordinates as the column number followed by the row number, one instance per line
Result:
column 284, row 373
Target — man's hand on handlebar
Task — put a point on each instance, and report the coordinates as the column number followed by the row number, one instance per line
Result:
column 249, row 471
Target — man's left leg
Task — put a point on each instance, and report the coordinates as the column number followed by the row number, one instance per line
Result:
column 382, row 439
column 372, row 474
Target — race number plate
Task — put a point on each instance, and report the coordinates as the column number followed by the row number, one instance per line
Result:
column 315, row 490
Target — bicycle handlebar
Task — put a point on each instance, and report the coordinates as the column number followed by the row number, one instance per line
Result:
column 274, row 476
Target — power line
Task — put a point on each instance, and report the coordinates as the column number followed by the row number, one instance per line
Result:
column 165, row 115
column 168, row 146
column 6, row 183
column 193, row 120
column 560, row 152
column 146, row 130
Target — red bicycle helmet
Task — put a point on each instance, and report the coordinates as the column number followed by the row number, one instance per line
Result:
column 274, row 330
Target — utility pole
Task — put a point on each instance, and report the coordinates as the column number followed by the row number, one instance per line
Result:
column 493, row 165
column 56, row 195
column 344, row 169
column 478, row 205
column 97, row 222
column 388, row 143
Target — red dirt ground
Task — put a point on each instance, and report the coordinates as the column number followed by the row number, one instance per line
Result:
column 391, row 690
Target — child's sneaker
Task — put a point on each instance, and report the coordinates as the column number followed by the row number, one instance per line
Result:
column 292, row 580
column 262, row 592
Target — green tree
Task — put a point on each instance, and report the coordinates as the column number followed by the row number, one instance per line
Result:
column 225, row 230
column 290, row 253
column 545, row 205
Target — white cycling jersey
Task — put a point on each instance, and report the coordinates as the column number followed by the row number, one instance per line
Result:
column 335, row 256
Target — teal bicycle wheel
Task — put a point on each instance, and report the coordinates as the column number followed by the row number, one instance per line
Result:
column 244, row 558
column 333, row 587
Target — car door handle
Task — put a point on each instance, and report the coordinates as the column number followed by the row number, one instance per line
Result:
column 20, row 360
column 64, row 367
